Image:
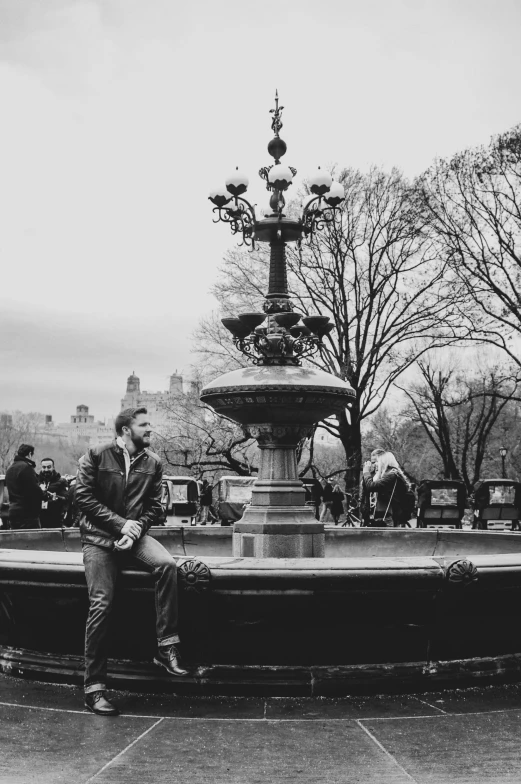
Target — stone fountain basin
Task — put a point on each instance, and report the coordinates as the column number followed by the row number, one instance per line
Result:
column 385, row 610
column 277, row 393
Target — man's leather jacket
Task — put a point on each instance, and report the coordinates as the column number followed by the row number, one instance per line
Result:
column 106, row 499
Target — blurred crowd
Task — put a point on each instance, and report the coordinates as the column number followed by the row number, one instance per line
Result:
column 40, row 497
column 37, row 498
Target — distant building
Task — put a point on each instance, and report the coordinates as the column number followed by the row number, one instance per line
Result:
column 159, row 405
column 83, row 427
column 323, row 437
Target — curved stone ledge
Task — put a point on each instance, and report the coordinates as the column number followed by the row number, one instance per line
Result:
column 49, row 569
column 237, row 680
column 191, row 541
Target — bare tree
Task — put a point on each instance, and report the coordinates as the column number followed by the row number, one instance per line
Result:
column 459, row 414
column 16, row 428
column 474, row 200
column 198, row 442
column 396, row 432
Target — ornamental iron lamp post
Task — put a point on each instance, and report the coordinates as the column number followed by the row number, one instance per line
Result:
column 503, row 453
column 277, row 401
column 283, row 338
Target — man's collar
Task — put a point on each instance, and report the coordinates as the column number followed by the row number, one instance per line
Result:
column 121, row 444
column 26, row 460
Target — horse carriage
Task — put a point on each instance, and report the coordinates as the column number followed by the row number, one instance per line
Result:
column 441, row 502
column 234, row 495
column 180, row 495
column 495, row 501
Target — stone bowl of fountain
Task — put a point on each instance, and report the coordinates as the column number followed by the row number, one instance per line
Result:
column 277, row 401
column 385, row 610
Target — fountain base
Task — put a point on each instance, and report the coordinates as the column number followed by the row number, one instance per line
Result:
column 295, row 534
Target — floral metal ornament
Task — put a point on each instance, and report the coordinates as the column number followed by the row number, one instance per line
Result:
column 461, row 572
column 194, row 576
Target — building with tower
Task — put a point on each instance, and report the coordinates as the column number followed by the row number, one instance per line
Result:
column 158, row 404
column 83, row 427
column 82, row 416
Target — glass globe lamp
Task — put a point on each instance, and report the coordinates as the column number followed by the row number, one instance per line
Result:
column 237, row 183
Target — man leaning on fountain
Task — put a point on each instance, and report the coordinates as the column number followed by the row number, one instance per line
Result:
column 118, row 493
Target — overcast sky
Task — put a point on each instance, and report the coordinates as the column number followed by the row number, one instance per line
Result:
column 118, row 117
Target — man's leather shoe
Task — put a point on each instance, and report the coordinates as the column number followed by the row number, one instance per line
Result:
column 96, row 702
column 168, row 657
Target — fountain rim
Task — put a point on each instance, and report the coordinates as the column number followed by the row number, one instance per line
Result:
column 276, row 386
column 432, row 574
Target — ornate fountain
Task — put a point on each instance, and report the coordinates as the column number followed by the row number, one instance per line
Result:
column 382, row 610
column 277, row 400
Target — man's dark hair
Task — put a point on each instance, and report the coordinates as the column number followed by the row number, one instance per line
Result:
column 126, row 417
column 25, row 449
column 49, row 459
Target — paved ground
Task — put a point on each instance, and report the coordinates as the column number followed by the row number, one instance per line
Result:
column 46, row 736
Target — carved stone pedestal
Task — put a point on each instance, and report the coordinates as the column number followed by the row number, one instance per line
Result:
column 278, row 524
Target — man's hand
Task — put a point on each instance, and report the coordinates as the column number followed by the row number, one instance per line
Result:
column 368, row 467
column 125, row 543
column 132, row 529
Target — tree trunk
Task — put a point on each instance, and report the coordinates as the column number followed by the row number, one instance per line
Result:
column 351, row 438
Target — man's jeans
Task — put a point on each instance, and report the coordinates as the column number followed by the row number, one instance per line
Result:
column 101, row 570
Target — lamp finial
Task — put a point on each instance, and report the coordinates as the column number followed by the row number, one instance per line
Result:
column 276, row 123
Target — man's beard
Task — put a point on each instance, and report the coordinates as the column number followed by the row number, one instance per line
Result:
column 139, row 442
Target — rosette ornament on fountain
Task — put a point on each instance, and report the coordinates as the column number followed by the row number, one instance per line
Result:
column 278, row 400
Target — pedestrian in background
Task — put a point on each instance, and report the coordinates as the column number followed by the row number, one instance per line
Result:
column 337, row 504
column 205, row 504
column 327, row 501
column 72, row 513
column 314, row 489
column 367, row 498
column 52, row 483
column 25, row 494
column 387, row 480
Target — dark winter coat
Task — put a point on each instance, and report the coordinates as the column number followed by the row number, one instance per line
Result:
column 327, row 493
column 206, row 496
column 52, row 516
column 107, row 499
column 72, row 514
column 25, row 495
column 337, row 507
column 384, row 489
